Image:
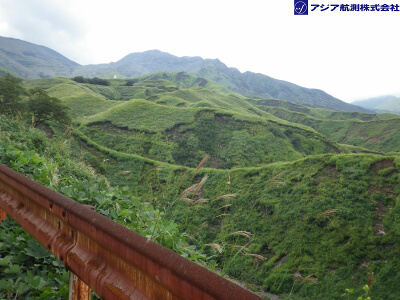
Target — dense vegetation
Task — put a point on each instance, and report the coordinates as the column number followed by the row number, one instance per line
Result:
column 39, row 106
column 27, row 269
column 94, row 80
column 377, row 132
column 257, row 189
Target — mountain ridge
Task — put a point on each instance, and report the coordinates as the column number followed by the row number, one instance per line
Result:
column 32, row 61
column 246, row 83
column 386, row 103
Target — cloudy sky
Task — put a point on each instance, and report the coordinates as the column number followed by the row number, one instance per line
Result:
column 350, row 55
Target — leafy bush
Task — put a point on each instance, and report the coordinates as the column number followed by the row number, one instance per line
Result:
column 28, row 269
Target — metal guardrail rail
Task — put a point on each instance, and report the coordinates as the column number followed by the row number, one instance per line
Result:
column 112, row 260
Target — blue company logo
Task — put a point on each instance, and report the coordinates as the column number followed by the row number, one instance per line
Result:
column 301, row 7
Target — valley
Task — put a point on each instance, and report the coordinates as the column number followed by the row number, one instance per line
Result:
column 296, row 197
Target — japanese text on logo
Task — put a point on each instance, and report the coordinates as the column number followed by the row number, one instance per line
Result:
column 355, row 7
column 301, row 7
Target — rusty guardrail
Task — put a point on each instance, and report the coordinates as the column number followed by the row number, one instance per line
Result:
column 111, row 259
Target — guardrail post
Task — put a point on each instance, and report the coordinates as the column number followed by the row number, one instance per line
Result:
column 78, row 290
column 3, row 215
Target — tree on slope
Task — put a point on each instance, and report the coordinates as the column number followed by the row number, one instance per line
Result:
column 11, row 93
column 46, row 108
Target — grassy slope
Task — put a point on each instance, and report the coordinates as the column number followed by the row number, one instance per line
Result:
column 27, row 269
column 143, row 115
column 184, row 134
column 178, row 122
column 285, row 205
column 377, row 132
column 339, row 249
column 4, row 71
column 280, row 205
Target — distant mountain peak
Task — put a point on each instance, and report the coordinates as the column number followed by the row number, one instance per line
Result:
column 32, row 61
column 386, row 103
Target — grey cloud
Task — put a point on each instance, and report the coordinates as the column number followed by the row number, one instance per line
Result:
column 44, row 22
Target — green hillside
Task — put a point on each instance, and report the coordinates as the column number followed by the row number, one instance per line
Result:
column 180, row 121
column 28, row 270
column 377, row 132
column 295, row 201
column 318, row 225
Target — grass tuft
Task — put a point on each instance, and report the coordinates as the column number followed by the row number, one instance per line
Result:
column 216, row 247
column 225, row 206
column 200, row 201
column 124, row 172
column 309, row 279
column 243, row 233
column 201, row 164
column 241, row 248
column 277, row 180
column 221, row 215
column 225, row 197
column 187, row 200
column 328, row 214
column 259, row 257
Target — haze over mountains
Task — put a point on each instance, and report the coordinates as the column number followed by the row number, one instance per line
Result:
column 381, row 104
column 30, row 61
